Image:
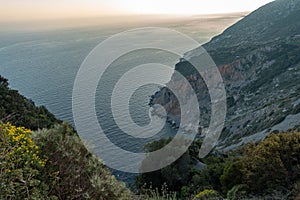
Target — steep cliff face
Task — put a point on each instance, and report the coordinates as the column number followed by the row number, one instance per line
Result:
column 261, row 75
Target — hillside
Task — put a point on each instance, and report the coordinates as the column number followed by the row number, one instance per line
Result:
column 259, row 61
column 20, row 111
column 274, row 21
column 50, row 162
column 54, row 164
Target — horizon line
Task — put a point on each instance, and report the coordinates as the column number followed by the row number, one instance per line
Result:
column 119, row 15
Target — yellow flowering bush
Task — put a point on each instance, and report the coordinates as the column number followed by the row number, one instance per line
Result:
column 20, row 164
column 207, row 194
column 21, row 150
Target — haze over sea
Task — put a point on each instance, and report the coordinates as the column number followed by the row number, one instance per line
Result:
column 41, row 60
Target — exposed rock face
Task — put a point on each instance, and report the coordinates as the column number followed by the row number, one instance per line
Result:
column 259, row 60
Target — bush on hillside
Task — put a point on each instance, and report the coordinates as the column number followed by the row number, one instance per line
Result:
column 21, row 164
column 80, row 175
column 19, row 111
column 271, row 166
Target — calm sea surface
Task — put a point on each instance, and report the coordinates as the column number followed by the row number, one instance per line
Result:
column 42, row 65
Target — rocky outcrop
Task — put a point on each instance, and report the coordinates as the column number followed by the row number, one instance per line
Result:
column 259, row 60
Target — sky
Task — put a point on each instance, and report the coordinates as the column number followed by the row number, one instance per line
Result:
column 18, row 10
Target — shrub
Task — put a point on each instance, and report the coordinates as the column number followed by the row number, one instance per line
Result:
column 267, row 168
column 237, row 192
column 207, row 194
column 232, row 175
column 296, row 190
column 20, row 111
column 157, row 194
column 273, row 163
column 20, row 165
column 174, row 175
column 80, row 174
column 52, row 164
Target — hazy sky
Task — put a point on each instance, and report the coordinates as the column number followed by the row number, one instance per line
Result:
column 15, row 10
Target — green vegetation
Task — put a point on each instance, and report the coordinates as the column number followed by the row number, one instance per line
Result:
column 207, row 194
column 175, row 176
column 21, row 165
column 272, row 164
column 19, row 111
column 270, row 168
column 53, row 163
column 48, row 163
column 80, row 175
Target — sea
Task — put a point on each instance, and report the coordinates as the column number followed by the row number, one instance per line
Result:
column 41, row 62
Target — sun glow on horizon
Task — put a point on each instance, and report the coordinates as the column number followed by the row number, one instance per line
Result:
column 15, row 10
column 190, row 7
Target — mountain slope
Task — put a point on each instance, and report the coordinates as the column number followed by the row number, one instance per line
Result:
column 47, row 163
column 259, row 60
column 273, row 21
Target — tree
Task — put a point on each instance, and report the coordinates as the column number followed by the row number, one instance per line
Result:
column 176, row 175
column 232, row 175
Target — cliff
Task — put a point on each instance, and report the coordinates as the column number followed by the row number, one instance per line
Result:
column 259, row 61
